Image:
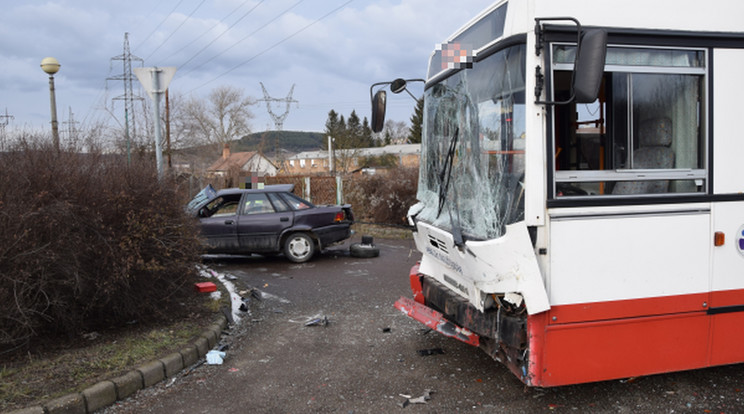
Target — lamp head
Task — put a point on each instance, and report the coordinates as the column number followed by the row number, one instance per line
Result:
column 50, row 65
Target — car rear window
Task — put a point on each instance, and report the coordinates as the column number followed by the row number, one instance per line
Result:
column 279, row 204
column 296, row 202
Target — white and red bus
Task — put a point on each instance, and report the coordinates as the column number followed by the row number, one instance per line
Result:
column 581, row 213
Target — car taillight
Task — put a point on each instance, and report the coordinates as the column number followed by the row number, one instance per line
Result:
column 339, row 216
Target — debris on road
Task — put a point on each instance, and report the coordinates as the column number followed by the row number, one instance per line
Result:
column 204, row 287
column 418, row 400
column 317, row 320
column 364, row 249
column 215, row 357
column 432, row 351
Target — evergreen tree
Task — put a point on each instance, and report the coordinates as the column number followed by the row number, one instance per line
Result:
column 354, row 131
column 332, row 127
column 367, row 138
column 417, row 120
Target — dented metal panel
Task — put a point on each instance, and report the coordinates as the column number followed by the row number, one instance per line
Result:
column 435, row 320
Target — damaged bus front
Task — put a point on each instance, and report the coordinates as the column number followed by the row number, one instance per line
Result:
column 478, row 267
column 479, row 279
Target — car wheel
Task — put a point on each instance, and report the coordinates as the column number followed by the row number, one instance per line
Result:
column 299, row 247
column 364, row 250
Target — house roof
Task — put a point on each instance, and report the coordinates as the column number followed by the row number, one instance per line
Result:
column 235, row 159
column 402, row 149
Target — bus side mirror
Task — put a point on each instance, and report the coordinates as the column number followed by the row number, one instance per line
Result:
column 378, row 110
column 590, row 65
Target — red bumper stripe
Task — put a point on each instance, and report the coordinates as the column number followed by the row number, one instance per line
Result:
column 435, row 320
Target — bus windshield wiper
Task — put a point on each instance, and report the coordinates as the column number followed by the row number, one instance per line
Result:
column 446, row 172
column 444, row 180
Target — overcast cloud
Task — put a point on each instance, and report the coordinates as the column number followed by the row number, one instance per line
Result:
column 332, row 50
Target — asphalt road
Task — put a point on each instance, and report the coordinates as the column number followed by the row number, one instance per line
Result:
column 366, row 359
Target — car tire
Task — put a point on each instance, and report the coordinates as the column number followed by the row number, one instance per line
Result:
column 364, row 250
column 299, row 247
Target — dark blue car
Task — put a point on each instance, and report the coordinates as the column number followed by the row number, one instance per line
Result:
column 269, row 220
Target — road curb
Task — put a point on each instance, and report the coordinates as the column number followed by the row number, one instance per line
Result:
column 108, row 392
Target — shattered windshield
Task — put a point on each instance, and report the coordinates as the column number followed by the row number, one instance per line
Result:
column 471, row 179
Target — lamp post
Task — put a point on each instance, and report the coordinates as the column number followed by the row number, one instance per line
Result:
column 50, row 65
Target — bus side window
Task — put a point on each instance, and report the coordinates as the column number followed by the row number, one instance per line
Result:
column 644, row 134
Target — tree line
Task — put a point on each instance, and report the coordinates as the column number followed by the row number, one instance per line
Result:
column 348, row 133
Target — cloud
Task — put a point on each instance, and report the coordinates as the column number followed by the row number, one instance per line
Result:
column 332, row 58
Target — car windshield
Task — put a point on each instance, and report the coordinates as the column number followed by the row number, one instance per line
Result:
column 472, row 169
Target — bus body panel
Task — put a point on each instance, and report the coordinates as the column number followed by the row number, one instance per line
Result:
column 727, row 296
column 599, row 257
column 728, row 133
column 621, row 348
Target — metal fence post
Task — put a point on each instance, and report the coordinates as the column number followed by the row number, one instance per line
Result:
column 339, row 190
column 307, row 190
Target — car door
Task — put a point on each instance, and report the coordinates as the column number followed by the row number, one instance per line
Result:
column 263, row 217
column 220, row 227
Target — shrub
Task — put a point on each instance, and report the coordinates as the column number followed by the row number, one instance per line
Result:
column 88, row 241
column 383, row 198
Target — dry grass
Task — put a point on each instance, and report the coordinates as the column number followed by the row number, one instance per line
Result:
column 56, row 368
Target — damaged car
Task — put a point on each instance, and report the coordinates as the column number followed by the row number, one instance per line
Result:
column 270, row 220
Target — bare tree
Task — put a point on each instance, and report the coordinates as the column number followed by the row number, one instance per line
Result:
column 223, row 117
column 394, row 132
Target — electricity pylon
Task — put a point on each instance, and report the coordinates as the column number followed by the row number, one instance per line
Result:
column 278, row 119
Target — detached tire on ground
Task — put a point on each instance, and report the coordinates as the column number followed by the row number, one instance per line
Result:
column 364, row 250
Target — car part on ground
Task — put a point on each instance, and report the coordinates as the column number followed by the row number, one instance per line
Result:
column 365, row 249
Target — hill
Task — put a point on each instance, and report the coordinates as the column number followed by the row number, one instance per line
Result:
column 270, row 141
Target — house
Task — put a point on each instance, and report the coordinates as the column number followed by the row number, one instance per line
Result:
column 315, row 162
column 247, row 163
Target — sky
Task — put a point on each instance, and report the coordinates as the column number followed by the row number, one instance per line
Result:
column 330, row 50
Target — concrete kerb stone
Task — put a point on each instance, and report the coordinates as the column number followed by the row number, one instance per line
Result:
column 190, row 355
column 29, row 410
column 202, row 346
column 152, row 373
column 173, row 364
column 99, row 396
column 107, row 392
column 68, row 404
column 128, row 384
column 209, row 334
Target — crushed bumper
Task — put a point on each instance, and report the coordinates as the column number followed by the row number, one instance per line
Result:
column 435, row 320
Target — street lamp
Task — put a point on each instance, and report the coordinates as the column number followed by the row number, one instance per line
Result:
column 50, row 65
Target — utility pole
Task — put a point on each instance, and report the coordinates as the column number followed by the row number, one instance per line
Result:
column 167, row 129
column 5, row 120
column 155, row 80
column 71, row 130
column 128, row 97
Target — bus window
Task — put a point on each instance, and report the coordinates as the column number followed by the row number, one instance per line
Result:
column 645, row 133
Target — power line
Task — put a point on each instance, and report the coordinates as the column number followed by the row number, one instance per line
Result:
column 159, row 24
column 270, row 47
column 221, row 34
column 176, row 29
column 244, row 38
column 215, row 25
